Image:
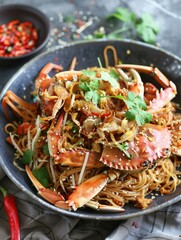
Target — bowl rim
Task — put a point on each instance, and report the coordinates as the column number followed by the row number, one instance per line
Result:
column 38, row 12
column 84, row 215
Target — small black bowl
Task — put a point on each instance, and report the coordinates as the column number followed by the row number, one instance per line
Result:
column 26, row 13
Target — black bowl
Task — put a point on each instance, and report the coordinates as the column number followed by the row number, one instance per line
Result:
column 87, row 53
column 26, row 13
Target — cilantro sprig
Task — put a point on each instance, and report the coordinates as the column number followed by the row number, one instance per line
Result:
column 136, row 108
column 143, row 27
column 91, row 86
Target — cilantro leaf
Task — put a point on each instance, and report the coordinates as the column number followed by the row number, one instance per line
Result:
column 143, row 27
column 123, row 14
column 94, row 84
column 42, row 175
column 114, row 74
column 89, row 73
column 92, row 97
column 27, row 157
column 84, row 86
column 130, row 114
column 91, row 87
column 107, row 77
column 131, row 98
column 136, row 108
column 147, row 28
column 143, row 117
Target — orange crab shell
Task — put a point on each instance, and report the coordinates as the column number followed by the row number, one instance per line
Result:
column 150, row 144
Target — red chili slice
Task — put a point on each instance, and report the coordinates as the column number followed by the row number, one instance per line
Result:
column 17, row 38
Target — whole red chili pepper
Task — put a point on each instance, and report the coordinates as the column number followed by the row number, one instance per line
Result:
column 12, row 213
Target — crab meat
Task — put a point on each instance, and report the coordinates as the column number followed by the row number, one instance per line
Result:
column 150, row 144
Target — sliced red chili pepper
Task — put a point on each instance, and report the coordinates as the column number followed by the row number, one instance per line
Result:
column 12, row 213
column 17, row 38
column 23, row 128
column 12, row 23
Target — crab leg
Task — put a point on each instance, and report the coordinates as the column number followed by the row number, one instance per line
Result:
column 75, row 158
column 54, row 135
column 68, row 75
column 103, row 207
column 51, row 196
column 42, row 79
column 10, row 98
column 153, row 71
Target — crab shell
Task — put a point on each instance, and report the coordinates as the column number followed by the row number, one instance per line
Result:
column 149, row 145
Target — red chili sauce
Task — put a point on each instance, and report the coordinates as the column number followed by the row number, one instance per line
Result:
column 17, row 38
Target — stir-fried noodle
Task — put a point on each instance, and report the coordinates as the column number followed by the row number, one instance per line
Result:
column 98, row 137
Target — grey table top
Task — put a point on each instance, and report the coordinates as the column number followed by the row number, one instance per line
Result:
column 165, row 12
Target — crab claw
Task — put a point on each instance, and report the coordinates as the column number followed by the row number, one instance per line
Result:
column 89, row 189
column 151, row 143
column 49, row 195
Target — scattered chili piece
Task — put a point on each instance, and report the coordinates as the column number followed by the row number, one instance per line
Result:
column 12, row 213
column 17, row 38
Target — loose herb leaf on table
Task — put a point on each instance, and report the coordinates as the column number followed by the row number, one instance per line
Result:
column 143, row 27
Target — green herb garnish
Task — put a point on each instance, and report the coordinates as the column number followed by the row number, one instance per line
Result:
column 137, row 108
column 27, row 157
column 124, row 148
column 123, row 14
column 108, row 77
column 69, row 19
column 91, row 88
column 92, row 84
column 42, row 175
column 147, row 28
column 143, row 27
